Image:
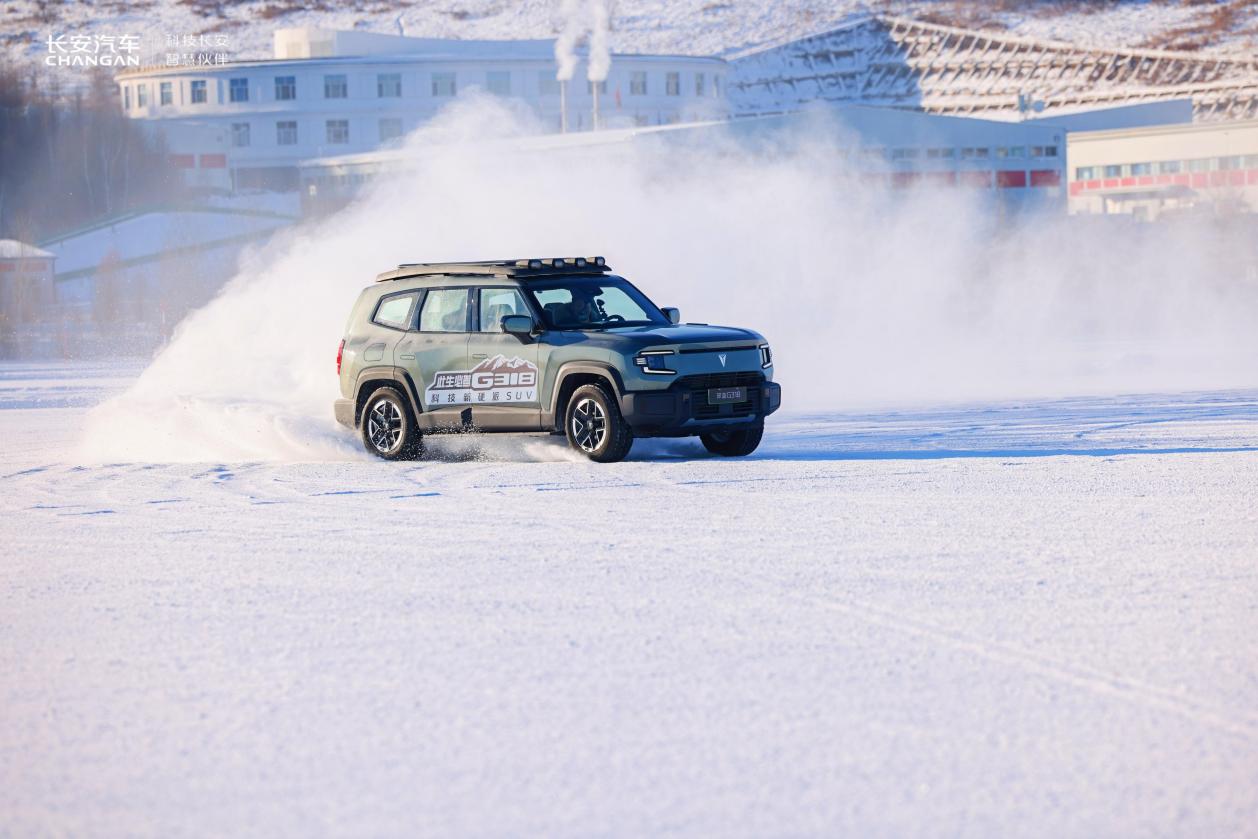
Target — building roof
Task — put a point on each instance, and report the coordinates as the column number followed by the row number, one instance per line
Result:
column 13, row 249
column 431, row 50
column 147, row 235
column 1163, row 130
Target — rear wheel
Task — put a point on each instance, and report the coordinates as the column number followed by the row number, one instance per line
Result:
column 594, row 426
column 388, row 427
column 734, row 442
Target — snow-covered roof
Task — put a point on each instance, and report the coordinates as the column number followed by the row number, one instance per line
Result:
column 148, row 235
column 13, row 249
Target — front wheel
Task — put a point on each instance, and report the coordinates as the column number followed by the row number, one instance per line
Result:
column 594, row 426
column 389, row 429
column 734, row 442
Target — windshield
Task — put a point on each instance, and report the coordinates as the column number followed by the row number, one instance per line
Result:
column 593, row 303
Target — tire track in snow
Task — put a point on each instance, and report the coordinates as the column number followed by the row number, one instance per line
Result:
column 1081, row 676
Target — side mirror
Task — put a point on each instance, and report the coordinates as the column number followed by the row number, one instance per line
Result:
column 673, row 315
column 520, row 325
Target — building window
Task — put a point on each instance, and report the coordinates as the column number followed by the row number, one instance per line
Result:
column 126, row 97
column 389, row 85
column 198, row 93
column 1169, row 167
column 1233, row 162
column 1011, row 151
column 285, row 87
column 701, row 82
column 498, row 82
column 390, row 128
column 164, row 93
column 672, row 84
column 904, row 154
column 240, row 135
column 338, row 132
column 941, row 153
column 975, row 153
column 238, row 90
column 1142, row 168
column 335, row 87
column 1043, row 151
column 637, row 83
column 1203, row 164
column 286, row 133
column 142, row 95
column 443, row 84
column 1085, row 173
column 1112, row 171
column 1251, row 161
column 716, row 85
column 602, row 88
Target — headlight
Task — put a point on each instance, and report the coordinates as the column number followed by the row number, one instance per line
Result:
column 766, row 356
column 654, row 361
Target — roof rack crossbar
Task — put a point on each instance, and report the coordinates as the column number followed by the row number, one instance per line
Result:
column 533, row 267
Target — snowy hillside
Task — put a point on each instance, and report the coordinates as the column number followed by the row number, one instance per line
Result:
column 662, row 26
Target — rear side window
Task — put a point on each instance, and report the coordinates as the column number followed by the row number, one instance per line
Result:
column 445, row 310
column 396, row 311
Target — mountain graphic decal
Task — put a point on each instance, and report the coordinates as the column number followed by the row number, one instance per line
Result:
column 498, row 380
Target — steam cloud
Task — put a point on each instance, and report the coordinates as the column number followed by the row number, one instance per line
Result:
column 580, row 17
column 600, row 50
column 566, row 43
column 868, row 296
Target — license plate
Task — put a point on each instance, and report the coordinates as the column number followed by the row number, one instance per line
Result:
column 721, row 395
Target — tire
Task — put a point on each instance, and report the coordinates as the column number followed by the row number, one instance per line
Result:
column 594, row 426
column 738, row 441
column 388, row 428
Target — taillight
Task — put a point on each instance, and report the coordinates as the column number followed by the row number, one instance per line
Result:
column 339, row 351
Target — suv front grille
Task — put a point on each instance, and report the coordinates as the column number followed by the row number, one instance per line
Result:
column 696, row 389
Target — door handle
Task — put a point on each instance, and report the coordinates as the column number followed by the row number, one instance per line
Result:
column 480, row 355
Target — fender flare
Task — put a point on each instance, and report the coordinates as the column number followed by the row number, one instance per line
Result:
column 569, row 368
column 387, row 373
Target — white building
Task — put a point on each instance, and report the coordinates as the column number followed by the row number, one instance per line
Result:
column 1147, row 172
column 247, row 124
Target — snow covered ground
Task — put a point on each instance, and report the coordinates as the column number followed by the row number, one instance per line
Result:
column 1032, row 619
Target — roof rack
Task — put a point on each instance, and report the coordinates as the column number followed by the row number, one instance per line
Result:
column 534, row 267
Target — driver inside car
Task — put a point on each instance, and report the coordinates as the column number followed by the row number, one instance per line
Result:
column 583, row 308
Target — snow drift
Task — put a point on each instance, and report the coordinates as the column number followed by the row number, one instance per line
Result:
column 868, row 296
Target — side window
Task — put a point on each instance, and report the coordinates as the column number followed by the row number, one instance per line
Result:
column 496, row 304
column 396, row 311
column 445, row 310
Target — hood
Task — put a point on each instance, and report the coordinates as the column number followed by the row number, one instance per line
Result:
column 692, row 334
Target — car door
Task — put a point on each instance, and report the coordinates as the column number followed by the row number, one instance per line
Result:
column 435, row 356
column 505, row 381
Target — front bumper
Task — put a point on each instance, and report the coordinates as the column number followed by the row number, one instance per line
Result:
column 681, row 411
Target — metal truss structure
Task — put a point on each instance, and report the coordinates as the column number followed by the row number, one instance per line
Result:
column 899, row 62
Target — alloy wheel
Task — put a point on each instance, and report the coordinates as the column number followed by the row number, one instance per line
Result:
column 384, row 426
column 589, row 425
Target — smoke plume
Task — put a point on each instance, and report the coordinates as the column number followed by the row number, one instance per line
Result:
column 566, row 43
column 600, row 50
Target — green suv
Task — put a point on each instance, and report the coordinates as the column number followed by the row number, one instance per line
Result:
column 559, row 346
